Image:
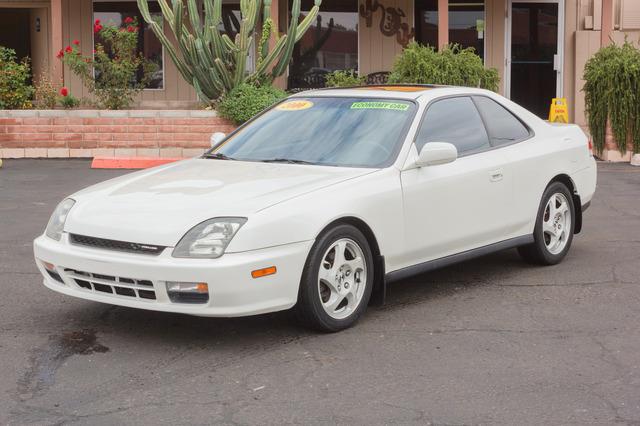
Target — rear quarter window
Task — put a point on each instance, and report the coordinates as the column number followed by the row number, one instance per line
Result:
column 503, row 127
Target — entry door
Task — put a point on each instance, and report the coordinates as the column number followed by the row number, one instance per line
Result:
column 534, row 53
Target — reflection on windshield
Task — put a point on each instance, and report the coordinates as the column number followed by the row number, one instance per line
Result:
column 350, row 132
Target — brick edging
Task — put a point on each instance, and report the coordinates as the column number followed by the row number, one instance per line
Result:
column 120, row 133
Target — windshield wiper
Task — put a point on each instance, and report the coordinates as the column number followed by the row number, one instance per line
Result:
column 218, row 156
column 286, row 160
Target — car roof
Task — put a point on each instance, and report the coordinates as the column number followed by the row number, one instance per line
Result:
column 391, row 91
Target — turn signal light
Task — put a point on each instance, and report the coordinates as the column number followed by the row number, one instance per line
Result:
column 259, row 273
column 590, row 145
column 48, row 266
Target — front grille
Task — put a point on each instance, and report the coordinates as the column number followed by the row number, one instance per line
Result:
column 119, row 286
column 105, row 244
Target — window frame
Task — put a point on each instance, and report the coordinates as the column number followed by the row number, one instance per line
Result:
column 419, row 23
column 482, row 118
column 142, row 22
column 340, row 8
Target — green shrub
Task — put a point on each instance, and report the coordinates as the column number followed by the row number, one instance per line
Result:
column 67, row 100
column 347, row 78
column 247, row 100
column 451, row 65
column 112, row 72
column 46, row 92
column 612, row 93
column 15, row 90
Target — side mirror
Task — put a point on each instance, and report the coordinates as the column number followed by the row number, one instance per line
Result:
column 434, row 153
column 216, row 138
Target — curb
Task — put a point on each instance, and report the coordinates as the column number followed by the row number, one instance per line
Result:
column 130, row 162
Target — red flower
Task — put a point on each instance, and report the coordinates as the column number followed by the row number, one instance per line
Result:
column 97, row 22
column 128, row 20
column 76, row 42
column 131, row 29
column 68, row 49
column 94, row 51
column 97, row 28
column 64, row 91
column 60, row 54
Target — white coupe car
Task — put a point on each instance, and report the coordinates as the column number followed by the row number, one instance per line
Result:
column 320, row 201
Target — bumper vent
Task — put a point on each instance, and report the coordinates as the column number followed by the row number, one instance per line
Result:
column 129, row 287
column 101, row 243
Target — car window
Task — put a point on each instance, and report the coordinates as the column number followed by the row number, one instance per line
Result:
column 502, row 125
column 454, row 120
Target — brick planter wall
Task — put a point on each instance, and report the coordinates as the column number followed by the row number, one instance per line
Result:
column 90, row 133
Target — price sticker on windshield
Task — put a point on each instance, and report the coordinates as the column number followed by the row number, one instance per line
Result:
column 394, row 106
column 294, row 106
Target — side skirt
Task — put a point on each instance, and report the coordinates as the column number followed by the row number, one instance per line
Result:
column 421, row 268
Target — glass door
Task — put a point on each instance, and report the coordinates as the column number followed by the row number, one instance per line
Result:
column 534, row 61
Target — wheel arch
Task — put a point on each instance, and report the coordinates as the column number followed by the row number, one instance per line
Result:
column 379, row 290
column 577, row 203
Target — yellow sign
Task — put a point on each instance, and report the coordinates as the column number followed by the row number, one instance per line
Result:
column 559, row 111
column 294, row 106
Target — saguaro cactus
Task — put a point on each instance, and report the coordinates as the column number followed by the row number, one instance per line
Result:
column 212, row 62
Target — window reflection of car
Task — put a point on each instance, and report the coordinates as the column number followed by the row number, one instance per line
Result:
column 320, row 201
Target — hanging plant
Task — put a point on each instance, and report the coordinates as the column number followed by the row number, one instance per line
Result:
column 612, row 94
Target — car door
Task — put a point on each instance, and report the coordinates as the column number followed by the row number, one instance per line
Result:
column 455, row 207
column 506, row 131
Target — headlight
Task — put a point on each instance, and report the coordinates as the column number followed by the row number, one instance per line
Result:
column 58, row 218
column 209, row 239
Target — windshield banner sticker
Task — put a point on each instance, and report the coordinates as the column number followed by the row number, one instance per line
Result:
column 395, row 106
column 294, row 106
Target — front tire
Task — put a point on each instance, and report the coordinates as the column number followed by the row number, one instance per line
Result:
column 337, row 280
column 554, row 228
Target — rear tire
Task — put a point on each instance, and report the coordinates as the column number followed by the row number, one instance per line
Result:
column 554, row 228
column 337, row 280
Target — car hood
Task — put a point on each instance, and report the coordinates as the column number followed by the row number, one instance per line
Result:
column 158, row 206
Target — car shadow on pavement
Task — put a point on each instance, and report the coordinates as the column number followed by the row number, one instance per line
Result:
column 177, row 329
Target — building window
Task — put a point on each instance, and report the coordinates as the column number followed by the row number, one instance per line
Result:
column 114, row 13
column 466, row 23
column 330, row 44
column 427, row 22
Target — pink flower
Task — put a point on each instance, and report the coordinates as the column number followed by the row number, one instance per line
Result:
column 64, row 91
column 60, row 54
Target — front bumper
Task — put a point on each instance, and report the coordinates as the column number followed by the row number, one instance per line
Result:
column 232, row 290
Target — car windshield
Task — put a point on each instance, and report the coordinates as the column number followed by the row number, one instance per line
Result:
column 347, row 132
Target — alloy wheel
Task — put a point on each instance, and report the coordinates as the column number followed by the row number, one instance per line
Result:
column 342, row 278
column 556, row 223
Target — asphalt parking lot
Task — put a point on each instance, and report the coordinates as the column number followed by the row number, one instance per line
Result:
column 490, row 341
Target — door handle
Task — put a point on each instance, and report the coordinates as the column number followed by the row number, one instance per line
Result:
column 496, row 175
